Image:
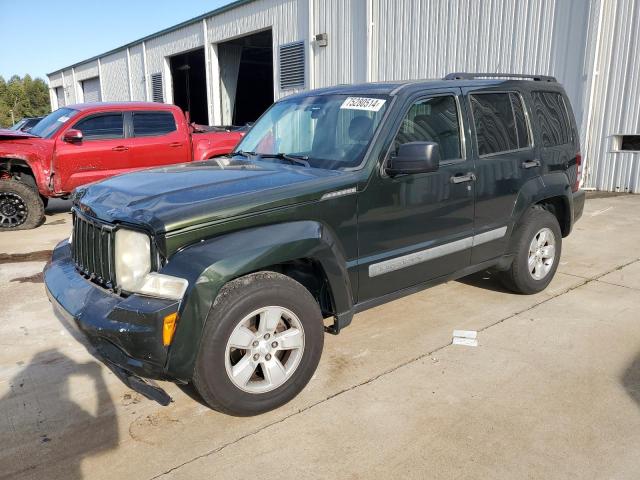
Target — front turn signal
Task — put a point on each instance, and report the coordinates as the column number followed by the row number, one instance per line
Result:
column 169, row 328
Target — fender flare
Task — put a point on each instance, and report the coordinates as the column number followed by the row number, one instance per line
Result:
column 34, row 165
column 210, row 264
column 542, row 188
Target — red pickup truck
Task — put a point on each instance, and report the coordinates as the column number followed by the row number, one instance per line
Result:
column 84, row 143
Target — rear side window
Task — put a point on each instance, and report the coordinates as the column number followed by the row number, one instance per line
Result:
column 147, row 124
column 101, row 127
column 501, row 125
column 551, row 113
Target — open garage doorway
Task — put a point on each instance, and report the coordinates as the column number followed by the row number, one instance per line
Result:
column 246, row 77
column 189, row 81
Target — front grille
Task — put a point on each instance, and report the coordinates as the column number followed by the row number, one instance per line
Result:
column 92, row 248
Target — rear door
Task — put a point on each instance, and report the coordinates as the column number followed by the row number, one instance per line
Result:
column 103, row 151
column 505, row 161
column 414, row 228
column 157, row 139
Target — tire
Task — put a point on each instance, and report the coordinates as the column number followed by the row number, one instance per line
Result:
column 20, row 206
column 542, row 226
column 240, row 312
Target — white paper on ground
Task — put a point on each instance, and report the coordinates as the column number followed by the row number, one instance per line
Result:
column 469, row 342
column 465, row 333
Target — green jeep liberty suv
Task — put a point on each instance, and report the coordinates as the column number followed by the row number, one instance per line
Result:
column 223, row 273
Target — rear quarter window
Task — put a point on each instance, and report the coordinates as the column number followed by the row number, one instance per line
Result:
column 148, row 124
column 552, row 117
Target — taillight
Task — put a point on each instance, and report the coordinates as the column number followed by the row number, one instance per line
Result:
column 576, row 186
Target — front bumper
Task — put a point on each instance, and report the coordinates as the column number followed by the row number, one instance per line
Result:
column 125, row 332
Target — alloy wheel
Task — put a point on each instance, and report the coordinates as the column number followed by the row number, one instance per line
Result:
column 264, row 349
column 542, row 253
column 13, row 210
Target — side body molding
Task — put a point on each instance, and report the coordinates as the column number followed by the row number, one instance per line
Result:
column 210, row 264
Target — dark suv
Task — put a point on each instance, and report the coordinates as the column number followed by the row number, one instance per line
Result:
column 224, row 272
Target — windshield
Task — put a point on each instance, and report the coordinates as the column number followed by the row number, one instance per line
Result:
column 50, row 124
column 325, row 131
column 18, row 125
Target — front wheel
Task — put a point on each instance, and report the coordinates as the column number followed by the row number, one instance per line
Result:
column 538, row 245
column 20, row 206
column 261, row 344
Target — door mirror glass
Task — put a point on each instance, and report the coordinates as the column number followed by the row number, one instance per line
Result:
column 415, row 157
column 72, row 136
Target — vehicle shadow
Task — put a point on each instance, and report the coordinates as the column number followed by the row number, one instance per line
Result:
column 631, row 380
column 485, row 279
column 46, row 432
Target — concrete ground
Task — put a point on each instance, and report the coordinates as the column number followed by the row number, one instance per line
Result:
column 552, row 390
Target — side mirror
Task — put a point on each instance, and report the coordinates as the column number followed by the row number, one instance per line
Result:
column 72, row 136
column 415, row 157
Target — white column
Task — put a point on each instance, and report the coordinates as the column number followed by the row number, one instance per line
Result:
column 216, row 109
column 207, row 70
column 129, row 74
column 100, row 81
column 311, row 81
column 146, row 74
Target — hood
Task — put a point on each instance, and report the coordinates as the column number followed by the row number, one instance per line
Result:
column 167, row 199
column 6, row 134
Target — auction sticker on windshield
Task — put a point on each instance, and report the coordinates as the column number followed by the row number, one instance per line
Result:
column 363, row 103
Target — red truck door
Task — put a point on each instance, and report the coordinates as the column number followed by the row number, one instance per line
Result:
column 158, row 139
column 103, row 151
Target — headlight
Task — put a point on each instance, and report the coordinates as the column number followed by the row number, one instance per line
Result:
column 133, row 268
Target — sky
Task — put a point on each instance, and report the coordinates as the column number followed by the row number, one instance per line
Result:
column 40, row 36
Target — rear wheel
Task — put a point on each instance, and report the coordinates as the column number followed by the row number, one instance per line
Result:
column 261, row 344
column 538, row 245
column 20, row 206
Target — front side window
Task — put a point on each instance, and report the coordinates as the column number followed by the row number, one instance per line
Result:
column 101, row 127
column 327, row 131
column 501, row 125
column 148, row 124
column 551, row 114
column 433, row 120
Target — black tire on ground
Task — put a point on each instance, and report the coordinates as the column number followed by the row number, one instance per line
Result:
column 20, row 206
column 518, row 277
column 45, row 201
column 235, row 301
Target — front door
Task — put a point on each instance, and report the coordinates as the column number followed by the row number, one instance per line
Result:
column 414, row 228
column 103, row 151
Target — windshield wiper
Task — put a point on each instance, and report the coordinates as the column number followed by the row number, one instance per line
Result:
column 295, row 159
column 244, row 154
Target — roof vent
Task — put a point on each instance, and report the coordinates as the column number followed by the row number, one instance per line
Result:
column 292, row 65
column 157, row 92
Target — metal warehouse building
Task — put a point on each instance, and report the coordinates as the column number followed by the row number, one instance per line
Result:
column 227, row 66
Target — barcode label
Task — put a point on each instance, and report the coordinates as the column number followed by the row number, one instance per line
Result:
column 363, row 103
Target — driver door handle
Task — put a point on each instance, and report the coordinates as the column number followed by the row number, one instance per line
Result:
column 175, row 144
column 120, row 148
column 531, row 164
column 469, row 177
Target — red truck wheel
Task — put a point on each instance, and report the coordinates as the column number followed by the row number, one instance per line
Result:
column 20, row 206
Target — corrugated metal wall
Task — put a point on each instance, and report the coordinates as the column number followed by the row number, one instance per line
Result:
column 138, row 88
column 114, row 79
column 344, row 60
column 408, row 39
column 616, row 99
column 286, row 18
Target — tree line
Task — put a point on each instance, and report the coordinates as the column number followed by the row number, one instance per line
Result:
column 25, row 97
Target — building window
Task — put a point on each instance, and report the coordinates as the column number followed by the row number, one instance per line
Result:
column 292, row 65
column 500, row 123
column 626, row 143
column 157, row 92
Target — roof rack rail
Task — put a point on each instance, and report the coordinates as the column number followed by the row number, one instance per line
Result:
column 472, row 76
